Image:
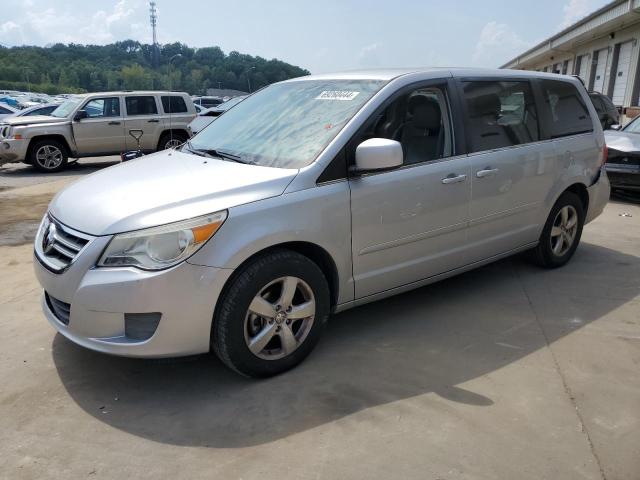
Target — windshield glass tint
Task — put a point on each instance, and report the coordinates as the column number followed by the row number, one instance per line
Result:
column 287, row 125
column 65, row 109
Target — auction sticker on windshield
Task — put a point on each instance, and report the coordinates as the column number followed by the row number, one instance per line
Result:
column 337, row 95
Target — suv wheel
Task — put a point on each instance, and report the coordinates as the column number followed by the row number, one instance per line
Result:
column 171, row 141
column 562, row 231
column 271, row 315
column 48, row 155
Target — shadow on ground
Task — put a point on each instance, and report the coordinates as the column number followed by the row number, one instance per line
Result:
column 426, row 341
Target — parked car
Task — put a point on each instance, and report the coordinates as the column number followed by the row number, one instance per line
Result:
column 623, row 163
column 607, row 112
column 199, row 109
column 97, row 124
column 207, row 102
column 315, row 195
column 209, row 115
column 45, row 109
column 6, row 111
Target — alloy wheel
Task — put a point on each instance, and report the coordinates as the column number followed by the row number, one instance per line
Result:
column 49, row 157
column 279, row 318
column 563, row 231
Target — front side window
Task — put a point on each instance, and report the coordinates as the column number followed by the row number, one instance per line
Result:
column 173, row 104
column 103, row 107
column 500, row 114
column 141, row 105
column 565, row 111
column 287, row 125
column 419, row 120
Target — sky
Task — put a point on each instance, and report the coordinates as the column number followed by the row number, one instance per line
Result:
column 321, row 36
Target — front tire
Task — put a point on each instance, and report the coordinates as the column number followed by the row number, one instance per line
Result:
column 271, row 314
column 562, row 231
column 48, row 155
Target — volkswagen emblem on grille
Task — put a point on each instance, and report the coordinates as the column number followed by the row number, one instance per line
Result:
column 49, row 239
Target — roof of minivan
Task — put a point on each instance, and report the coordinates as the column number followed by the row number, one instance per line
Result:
column 391, row 73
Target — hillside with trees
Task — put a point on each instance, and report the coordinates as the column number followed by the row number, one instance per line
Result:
column 131, row 65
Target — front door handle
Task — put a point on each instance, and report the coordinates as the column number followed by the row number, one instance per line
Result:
column 114, row 123
column 486, row 172
column 153, row 121
column 453, row 178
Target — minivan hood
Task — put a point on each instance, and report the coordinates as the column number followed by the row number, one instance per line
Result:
column 33, row 119
column 162, row 188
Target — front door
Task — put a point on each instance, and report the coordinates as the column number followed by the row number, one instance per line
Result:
column 512, row 170
column 102, row 131
column 410, row 223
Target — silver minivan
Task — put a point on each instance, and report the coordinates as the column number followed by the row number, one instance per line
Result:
column 313, row 196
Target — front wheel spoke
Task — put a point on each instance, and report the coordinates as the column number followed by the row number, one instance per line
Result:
column 572, row 221
column 558, row 246
column 556, row 231
column 257, row 343
column 287, row 339
column 565, row 216
column 262, row 308
column 568, row 239
column 304, row 310
column 289, row 285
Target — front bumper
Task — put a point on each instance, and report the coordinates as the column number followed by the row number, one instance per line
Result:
column 12, row 150
column 99, row 298
column 624, row 177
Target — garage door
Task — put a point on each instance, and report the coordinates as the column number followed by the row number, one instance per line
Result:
column 622, row 73
column 601, row 70
column 584, row 69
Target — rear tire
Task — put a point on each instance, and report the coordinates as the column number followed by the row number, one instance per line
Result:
column 48, row 155
column 561, row 234
column 170, row 141
column 285, row 328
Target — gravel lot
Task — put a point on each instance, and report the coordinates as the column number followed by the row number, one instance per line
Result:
column 507, row 372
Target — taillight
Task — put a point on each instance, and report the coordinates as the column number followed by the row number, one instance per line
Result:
column 605, row 155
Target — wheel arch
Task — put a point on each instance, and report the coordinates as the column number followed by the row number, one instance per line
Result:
column 580, row 190
column 169, row 131
column 313, row 252
column 57, row 137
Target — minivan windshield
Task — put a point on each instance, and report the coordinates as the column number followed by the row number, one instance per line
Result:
column 65, row 109
column 286, row 125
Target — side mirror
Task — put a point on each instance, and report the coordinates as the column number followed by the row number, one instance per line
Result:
column 615, row 127
column 80, row 114
column 378, row 154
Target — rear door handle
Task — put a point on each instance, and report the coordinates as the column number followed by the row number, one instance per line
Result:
column 453, row 178
column 486, row 172
column 114, row 123
column 153, row 121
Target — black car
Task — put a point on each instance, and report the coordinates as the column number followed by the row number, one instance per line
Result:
column 623, row 162
column 607, row 111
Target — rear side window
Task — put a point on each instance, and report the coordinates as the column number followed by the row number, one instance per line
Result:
column 565, row 112
column 141, row 105
column 500, row 114
column 4, row 110
column 173, row 104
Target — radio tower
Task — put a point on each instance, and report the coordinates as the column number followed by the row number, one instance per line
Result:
column 153, row 17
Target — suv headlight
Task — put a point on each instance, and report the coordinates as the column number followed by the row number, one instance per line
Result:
column 161, row 247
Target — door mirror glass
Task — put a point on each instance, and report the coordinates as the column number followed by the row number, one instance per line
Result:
column 80, row 114
column 615, row 127
column 378, row 154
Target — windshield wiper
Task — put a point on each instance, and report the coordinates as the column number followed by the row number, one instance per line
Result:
column 213, row 153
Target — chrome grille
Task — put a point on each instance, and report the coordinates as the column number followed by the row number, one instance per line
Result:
column 57, row 246
column 59, row 308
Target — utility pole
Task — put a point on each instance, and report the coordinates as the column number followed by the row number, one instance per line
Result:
column 153, row 18
column 249, row 75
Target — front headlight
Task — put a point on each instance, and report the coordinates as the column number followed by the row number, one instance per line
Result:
column 161, row 247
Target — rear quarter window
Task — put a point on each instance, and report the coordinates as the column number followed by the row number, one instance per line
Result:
column 173, row 104
column 564, row 111
column 141, row 105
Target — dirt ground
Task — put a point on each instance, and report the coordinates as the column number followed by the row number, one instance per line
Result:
column 506, row 372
